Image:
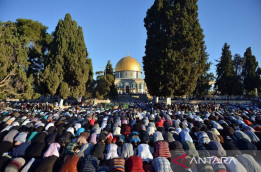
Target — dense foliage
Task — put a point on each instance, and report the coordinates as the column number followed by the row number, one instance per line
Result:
column 68, row 62
column 105, row 84
column 175, row 51
column 203, row 84
column 238, row 75
column 20, row 43
column 111, row 79
column 33, row 62
column 225, row 72
column 250, row 74
column 90, row 83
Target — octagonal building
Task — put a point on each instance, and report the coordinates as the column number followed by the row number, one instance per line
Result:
column 128, row 77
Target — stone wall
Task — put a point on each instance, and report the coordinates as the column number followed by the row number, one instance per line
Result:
column 96, row 101
column 210, row 101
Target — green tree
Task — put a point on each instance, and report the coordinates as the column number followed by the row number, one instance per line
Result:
column 113, row 91
column 64, row 90
column 68, row 60
column 203, row 85
column 14, row 81
column 102, row 88
column 173, row 58
column 104, row 85
column 108, row 68
column 238, row 63
column 258, row 74
column 90, row 84
column 205, row 78
column 111, row 79
column 37, row 40
column 109, row 73
column 225, row 73
column 249, row 71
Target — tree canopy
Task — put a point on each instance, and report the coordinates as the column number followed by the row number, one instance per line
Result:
column 89, row 83
column 175, row 49
column 111, row 79
column 225, row 72
column 68, row 62
column 203, row 84
column 105, row 87
column 19, row 41
column 102, row 87
column 251, row 79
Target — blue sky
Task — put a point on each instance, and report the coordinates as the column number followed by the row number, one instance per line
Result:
column 114, row 27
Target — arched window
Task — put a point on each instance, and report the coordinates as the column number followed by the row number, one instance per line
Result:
column 133, row 85
column 140, row 86
column 119, row 85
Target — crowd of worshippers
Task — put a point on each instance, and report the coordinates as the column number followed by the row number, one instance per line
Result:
column 142, row 138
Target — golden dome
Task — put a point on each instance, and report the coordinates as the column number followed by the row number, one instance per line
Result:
column 128, row 64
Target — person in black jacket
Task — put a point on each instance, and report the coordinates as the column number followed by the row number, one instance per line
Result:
column 98, row 150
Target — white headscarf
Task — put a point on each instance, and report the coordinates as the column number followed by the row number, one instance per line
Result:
column 71, row 130
column 49, row 125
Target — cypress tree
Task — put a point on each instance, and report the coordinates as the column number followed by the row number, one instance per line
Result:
column 68, row 62
column 203, row 86
column 90, row 83
column 238, row 65
column 109, row 72
column 258, row 74
column 173, row 58
column 64, row 90
column 111, row 79
column 249, row 71
column 225, row 72
column 108, row 68
column 89, row 62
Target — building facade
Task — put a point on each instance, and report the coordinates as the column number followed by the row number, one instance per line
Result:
column 128, row 77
